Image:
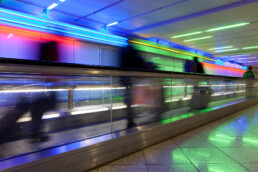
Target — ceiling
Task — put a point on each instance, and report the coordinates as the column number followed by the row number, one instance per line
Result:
column 164, row 19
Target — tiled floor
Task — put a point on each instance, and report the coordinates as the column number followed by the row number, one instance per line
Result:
column 229, row 144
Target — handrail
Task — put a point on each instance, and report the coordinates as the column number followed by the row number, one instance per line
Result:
column 19, row 66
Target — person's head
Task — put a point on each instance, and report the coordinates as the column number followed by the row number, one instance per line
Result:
column 195, row 59
column 250, row 68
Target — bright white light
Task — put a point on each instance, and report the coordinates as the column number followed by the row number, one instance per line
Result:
column 61, row 0
column 53, row 115
column 89, row 111
column 31, row 91
column 111, row 24
column 52, row 6
column 220, row 48
column 10, row 35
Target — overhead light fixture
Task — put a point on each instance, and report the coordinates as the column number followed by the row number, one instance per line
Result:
column 206, row 37
column 112, row 24
column 188, row 34
column 240, row 55
column 245, row 48
column 61, row 0
column 220, row 48
column 247, row 58
column 17, row 19
column 52, row 6
column 233, row 49
column 251, row 61
column 227, row 27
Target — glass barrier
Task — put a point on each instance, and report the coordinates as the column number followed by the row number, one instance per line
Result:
column 41, row 111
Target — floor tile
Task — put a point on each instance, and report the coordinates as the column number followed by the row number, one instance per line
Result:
column 252, row 141
column 123, row 168
column 242, row 154
column 165, row 156
column 206, row 155
column 168, row 144
column 133, row 159
column 234, row 167
column 174, row 168
column 194, row 142
column 224, row 141
column 253, row 167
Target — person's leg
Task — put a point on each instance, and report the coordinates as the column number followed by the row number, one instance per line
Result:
column 39, row 107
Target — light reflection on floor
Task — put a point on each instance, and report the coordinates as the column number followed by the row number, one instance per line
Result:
column 229, row 144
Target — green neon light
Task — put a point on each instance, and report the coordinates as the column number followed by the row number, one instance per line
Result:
column 206, row 37
column 227, row 27
column 234, row 49
column 250, row 47
column 188, row 34
column 221, row 48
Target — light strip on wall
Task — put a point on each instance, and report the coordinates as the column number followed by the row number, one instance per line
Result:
column 246, row 58
column 241, row 55
column 227, row 27
column 234, row 49
column 175, row 51
column 87, row 33
column 196, row 39
column 253, row 47
column 188, row 34
column 67, row 32
column 221, row 48
column 59, row 23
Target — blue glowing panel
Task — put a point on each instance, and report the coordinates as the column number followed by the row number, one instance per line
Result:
column 86, row 53
column 19, row 47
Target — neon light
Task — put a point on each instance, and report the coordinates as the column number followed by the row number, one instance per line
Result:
column 252, row 61
column 59, row 23
column 45, row 26
column 10, row 35
column 227, row 27
column 175, row 51
column 206, row 37
column 61, row 0
column 220, row 48
column 245, row 48
column 247, row 58
column 52, row 6
column 188, row 34
column 111, row 24
column 241, row 55
column 234, row 49
column 73, row 33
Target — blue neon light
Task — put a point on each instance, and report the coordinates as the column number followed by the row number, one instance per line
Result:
column 93, row 35
column 59, row 23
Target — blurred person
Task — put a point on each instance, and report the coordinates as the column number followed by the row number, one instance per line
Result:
column 129, row 59
column 250, row 87
column 201, row 95
column 249, row 73
column 37, row 103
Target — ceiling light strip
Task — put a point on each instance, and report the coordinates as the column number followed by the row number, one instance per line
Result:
column 221, row 48
column 233, row 49
column 175, row 51
column 196, row 39
column 253, row 47
column 227, row 27
column 188, row 34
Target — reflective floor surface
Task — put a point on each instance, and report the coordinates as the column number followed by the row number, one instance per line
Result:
column 229, row 144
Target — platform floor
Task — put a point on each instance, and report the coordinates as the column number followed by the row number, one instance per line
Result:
column 229, row 144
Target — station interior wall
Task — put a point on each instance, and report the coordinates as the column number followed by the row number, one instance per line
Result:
column 24, row 44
